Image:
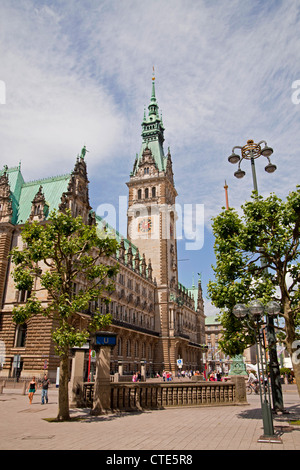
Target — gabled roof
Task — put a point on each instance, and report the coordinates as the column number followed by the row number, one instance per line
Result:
column 23, row 193
column 52, row 189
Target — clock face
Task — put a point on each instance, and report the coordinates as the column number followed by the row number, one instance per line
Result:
column 145, row 225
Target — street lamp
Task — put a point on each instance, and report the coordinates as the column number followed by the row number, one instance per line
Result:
column 251, row 151
column 253, row 315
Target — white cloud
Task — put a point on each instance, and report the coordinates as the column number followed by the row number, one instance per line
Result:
column 210, row 310
column 80, row 73
column 51, row 109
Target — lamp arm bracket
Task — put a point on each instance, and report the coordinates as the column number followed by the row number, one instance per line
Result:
column 236, row 147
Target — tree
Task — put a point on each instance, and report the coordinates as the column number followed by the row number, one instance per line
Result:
column 66, row 256
column 266, row 235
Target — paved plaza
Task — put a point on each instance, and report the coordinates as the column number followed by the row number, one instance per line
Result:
column 23, row 427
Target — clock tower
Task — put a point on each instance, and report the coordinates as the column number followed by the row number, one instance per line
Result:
column 151, row 217
column 152, row 194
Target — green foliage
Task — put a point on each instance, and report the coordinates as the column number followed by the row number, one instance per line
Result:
column 22, row 314
column 257, row 257
column 66, row 256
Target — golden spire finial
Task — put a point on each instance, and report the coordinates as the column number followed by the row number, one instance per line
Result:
column 153, row 74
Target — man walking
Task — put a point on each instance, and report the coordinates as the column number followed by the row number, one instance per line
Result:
column 45, row 385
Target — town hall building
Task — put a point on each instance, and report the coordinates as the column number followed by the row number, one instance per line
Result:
column 156, row 319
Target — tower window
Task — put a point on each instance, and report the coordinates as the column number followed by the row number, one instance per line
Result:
column 146, row 193
column 154, row 191
column 146, row 171
column 139, row 194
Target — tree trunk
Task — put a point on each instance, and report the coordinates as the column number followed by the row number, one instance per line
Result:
column 296, row 368
column 63, row 393
column 291, row 343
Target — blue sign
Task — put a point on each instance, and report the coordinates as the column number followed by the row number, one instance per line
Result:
column 106, row 340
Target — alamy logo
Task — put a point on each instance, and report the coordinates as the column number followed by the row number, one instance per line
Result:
column 296, row 352
column 2, row 92
column 296, row 94
column 153, row 221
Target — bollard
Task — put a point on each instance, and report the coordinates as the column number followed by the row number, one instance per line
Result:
column 240, row 389
column 24, row 388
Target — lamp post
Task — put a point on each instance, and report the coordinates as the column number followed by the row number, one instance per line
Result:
column 253, row 314
column 251, row 151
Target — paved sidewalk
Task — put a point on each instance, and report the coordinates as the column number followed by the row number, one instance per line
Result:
column 22, row 427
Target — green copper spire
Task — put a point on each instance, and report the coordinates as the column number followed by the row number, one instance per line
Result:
column 153, row 107
column 153, row 133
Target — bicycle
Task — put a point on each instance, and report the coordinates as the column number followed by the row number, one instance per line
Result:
column 252, row 388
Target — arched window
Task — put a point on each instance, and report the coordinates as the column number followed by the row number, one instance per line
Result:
column 146, row 193
column 120, row 347
column 128, row 348
column 154, row 191
column 139, row 194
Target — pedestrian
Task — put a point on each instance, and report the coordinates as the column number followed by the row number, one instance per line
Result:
column 134, row 377
column 45, row 385
column 31, row 389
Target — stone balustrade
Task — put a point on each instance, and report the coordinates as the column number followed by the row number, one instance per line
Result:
column 147, row 395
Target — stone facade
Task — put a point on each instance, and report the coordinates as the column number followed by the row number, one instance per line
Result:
column 216, row 359
column 156, row 319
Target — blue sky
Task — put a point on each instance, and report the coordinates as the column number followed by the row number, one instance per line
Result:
column 80, row 73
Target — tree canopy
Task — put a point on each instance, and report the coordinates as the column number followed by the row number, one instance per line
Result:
column 65, row 258
column 257, row 257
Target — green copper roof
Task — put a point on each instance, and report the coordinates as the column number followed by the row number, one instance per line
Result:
column 193, row 292
column 52, row 189
column 113, row 233
column 23, row 193
column 212, row 320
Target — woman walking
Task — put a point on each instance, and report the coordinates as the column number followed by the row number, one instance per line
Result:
column 32, row 389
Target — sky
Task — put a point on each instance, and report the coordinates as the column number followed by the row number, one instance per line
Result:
column 76, row 73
